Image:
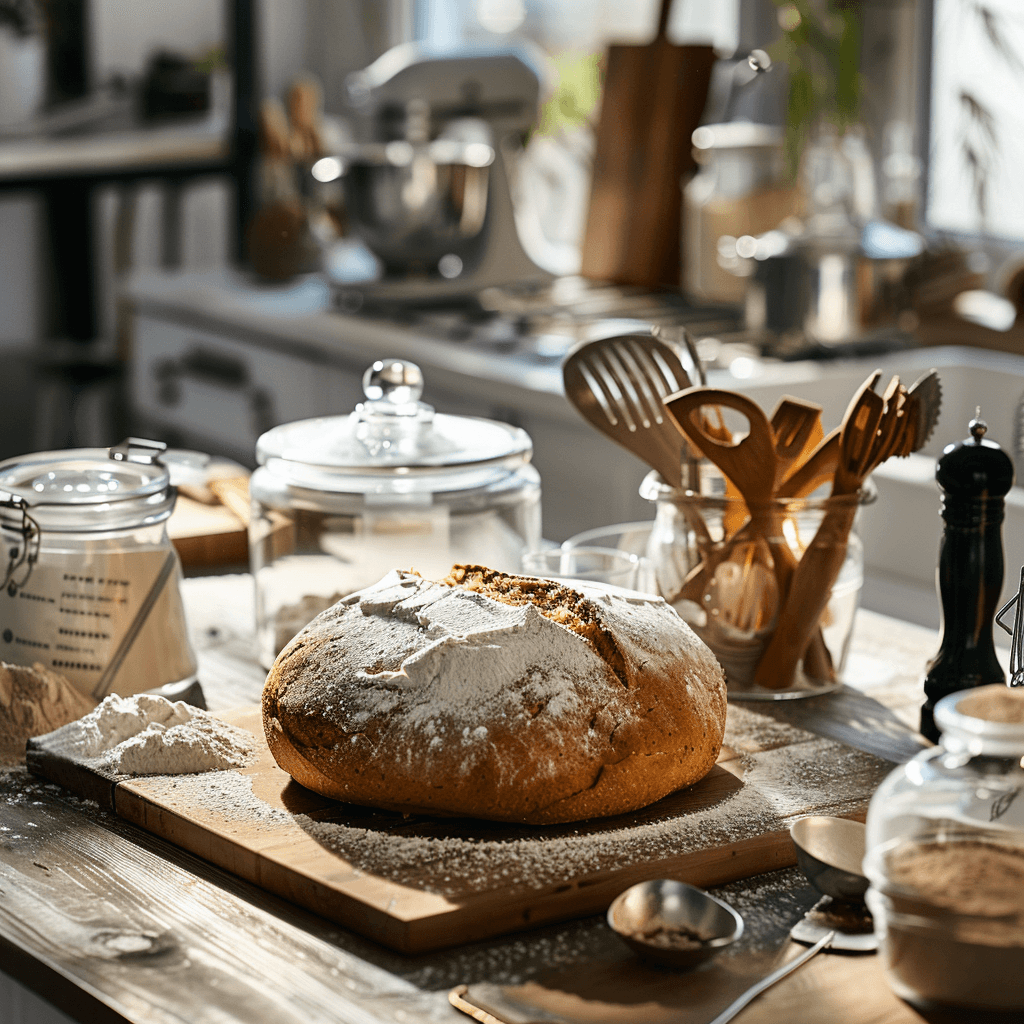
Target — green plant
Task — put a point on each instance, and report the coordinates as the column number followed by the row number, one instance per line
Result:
column 576, row 98
column 820, row 46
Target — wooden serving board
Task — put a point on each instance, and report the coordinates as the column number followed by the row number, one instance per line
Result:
column 416, row 883
column 207, row 534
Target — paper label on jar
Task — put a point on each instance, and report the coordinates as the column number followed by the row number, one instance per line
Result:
column 994, row 807
column 109, row 623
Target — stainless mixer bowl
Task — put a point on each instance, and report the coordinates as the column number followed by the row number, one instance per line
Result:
column 413, row 214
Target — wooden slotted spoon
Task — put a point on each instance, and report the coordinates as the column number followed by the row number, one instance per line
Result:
column 755, row 464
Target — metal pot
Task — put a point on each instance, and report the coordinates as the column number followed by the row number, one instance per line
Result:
column 831, row 289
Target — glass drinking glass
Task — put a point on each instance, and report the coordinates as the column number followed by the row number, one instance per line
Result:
column 632, row 538
column 597, row 565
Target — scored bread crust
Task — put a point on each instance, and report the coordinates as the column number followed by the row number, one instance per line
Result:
column 602, row 703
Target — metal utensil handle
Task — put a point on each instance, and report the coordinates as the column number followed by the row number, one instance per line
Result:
column 755, row 990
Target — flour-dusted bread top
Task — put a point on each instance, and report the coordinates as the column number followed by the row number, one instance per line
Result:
column 495, row 696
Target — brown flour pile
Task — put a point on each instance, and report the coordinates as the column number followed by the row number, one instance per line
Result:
column 969, row 877
column 33, row 702
column 995, row 704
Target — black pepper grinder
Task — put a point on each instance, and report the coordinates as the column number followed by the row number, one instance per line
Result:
column 974, row 475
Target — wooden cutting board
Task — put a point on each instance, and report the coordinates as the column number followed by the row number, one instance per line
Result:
column 415, row 883
column 207, row 534
column 653, row 99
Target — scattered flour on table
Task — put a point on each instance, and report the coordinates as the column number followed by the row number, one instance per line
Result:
column 148, row 735
column 815, row 777
column 748, row 732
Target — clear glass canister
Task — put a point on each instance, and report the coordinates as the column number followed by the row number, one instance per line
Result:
column 91, row 580
column 338, row 502
column 739, row 190
column 945, row 858
column 730, row 589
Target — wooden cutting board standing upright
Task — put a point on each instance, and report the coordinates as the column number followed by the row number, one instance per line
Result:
column 653, row 99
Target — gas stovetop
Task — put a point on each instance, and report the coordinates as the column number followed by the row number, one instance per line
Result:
column 544, row 323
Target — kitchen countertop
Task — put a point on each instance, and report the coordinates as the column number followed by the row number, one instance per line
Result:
column 108, row 923
column 300, row 318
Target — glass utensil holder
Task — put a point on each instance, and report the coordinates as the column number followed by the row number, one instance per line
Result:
column 739, row 579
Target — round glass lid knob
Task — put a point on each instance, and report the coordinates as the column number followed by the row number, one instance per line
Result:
column 395, row 381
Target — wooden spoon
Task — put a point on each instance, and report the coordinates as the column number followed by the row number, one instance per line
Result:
column 796, row 426
column 819, row 566
column 753, row 466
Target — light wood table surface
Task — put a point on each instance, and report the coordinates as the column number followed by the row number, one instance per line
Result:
column 107, row 923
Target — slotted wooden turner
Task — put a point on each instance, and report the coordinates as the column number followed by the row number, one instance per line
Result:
column 620, row 385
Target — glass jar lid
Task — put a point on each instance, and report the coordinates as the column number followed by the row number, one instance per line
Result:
column 390, row 435
column 87, row 489
column 985, row 720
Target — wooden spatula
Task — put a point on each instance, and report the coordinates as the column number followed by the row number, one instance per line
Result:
column 653, row 99
column 819, row 566
column 620, row 385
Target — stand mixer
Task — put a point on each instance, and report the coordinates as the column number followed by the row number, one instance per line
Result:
column 427, row 184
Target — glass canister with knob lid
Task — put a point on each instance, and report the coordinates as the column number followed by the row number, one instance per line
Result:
column 90, row 578
column 339, row 501
column 945, row 858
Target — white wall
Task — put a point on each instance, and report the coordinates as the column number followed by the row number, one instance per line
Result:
column 122, row 36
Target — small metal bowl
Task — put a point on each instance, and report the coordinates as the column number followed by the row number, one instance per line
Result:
column 673, row 912
column 829, row 852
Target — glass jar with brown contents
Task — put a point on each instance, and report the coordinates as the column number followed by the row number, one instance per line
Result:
column 945, row 841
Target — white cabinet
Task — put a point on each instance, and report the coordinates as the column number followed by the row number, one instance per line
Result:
column 214, row 392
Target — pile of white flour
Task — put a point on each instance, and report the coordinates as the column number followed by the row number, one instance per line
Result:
column 148, row 735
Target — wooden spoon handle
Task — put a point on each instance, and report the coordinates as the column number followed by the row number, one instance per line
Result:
column 818, row 469
column 809, row 592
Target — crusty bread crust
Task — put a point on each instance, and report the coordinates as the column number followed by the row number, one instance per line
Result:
column 632, row 733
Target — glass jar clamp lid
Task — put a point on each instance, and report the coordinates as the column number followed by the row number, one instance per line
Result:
column 90, row 577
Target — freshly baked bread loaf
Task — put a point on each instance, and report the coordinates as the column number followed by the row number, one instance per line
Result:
column 495, row 696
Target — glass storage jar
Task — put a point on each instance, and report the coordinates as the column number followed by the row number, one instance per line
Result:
column 337, row 502
column 729, row 593
column 740, row 189
column 91, row 580
column 945, row 858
